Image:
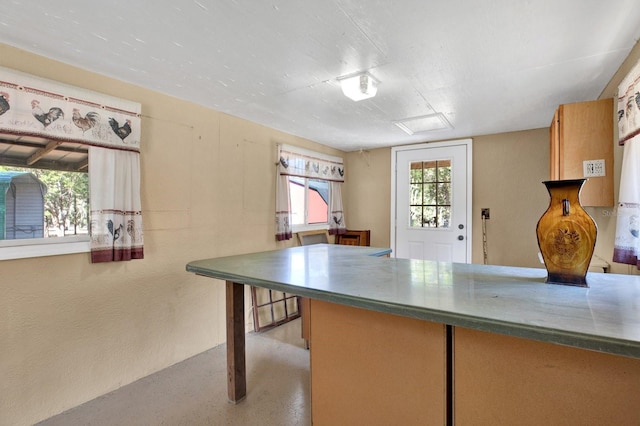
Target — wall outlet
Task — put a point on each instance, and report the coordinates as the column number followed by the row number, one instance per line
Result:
column 593, row 168
column 485, row 213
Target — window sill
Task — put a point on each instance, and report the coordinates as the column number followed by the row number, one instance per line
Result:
column 40, row 247
column 302, row 228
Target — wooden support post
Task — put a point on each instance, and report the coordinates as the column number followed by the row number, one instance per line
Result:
column 236, row 366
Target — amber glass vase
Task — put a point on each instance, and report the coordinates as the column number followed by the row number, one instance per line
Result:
column 566, row 234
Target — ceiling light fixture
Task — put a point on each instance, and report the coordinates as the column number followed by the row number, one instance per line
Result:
column 359, row 86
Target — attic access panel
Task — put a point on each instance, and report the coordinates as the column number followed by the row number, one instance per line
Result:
column 41, row 153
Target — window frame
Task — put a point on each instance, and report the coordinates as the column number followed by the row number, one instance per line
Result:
column 41, row 247
column 309, row 226
column 25, row 248
column 38, row 144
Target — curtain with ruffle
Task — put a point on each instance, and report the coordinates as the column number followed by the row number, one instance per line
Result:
column 627, row 241
column 283, row 209
column 116, row 213
column 336, row 214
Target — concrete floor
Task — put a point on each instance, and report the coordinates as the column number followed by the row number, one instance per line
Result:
column 194, row 392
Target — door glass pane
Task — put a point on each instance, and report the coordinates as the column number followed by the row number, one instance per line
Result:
column 444, row 171
column 415, row 217
column 430, row 200
column 416, row 174
column 430, row 171
column 430, row 219
column 416, row 194
column 444, row 217
column 430, row 194
column 444, row 194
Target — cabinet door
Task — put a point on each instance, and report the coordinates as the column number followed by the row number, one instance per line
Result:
column 554, row 147
column 372, row 368
column 580, row 132
column 505, row 380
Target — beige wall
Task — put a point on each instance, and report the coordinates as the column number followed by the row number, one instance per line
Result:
column 508, row 169
column 502, row 181
column 368, row 183
column 70, row 330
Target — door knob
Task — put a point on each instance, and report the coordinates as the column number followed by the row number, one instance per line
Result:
column 460, row 237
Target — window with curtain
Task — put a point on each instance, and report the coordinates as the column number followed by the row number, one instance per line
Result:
column 51, row 135
column 627, row 241
column 308, row 192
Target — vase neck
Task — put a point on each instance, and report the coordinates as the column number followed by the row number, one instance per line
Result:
column 567, row 183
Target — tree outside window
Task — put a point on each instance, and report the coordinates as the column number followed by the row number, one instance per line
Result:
column 66, row 201
column 430, row 196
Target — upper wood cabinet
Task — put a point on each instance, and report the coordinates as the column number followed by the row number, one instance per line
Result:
column 581, row 134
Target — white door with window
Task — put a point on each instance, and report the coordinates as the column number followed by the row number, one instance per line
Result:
column 431, row 201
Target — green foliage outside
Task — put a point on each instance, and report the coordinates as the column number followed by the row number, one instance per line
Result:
column 66, row 201
column 430, row 195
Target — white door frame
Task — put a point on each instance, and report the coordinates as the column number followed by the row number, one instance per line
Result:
column 469, row 217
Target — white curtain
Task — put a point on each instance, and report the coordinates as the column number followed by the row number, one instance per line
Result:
column 627, row 242
column 283, row 209
column 116, row 213
column 336, row 215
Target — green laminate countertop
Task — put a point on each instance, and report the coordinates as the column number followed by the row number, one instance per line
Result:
column 515, row 301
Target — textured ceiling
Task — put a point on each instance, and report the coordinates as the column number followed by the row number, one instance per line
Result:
column 485, row 66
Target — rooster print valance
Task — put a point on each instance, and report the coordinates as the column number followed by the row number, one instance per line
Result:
column 35, row 106
column 300, row 162
column 629, row 106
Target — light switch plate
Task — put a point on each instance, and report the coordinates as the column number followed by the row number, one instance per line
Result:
column 593, row 168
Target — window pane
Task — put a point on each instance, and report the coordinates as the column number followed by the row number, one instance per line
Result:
column 416, row 172
column 312, row 195
column 416, row 194
column 430, row 198
column 429, row 220
column 429, row 194
column 415, row 217
column 318, row 199
column 444, row 217
column 296, row 195
column 38, row 203
column 444, row 194
column 430, row 171
column 444, row 171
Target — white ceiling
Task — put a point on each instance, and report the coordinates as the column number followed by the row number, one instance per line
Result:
column 487, row 66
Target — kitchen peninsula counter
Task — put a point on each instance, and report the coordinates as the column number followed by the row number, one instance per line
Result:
column 477, row 331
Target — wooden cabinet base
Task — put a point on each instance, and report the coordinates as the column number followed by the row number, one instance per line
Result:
column 503, row 380
column 373, row 368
